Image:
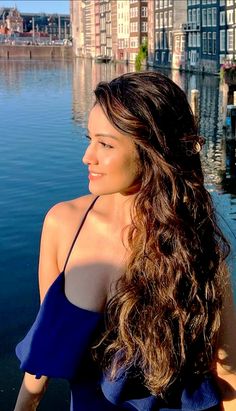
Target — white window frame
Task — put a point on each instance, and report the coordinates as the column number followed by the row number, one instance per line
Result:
column 230, row 40
column 230, row 16
column 222, row 18
column 204, row 42
column 209, row 17
column 170, row 18
column 214, row 43
column 204, row 17
column 214, row 17
column 222, row 40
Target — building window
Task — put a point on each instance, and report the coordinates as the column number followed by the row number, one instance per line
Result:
column 134, row 42
column 209, row 37
column 190, row 16
column 209, row 17
column 157, row 20
column 166, row 19
column 194, row 39
column 204, row 42
column 157, row 45
column 182, row 43
column 194, row 16
column 161, row 40
column 230, row 16
column 222, row 18
column 230, row 39
column 214, row 17
column 170, row 3
column 165, row 45
column 198, row 40
column 214, row 42
column 170, row 40
column 222, row 40
column 161, row 4
column 103, row 38
column 156, row 4
column 190, row 43
column 134, row 27
column 165, row 3
column 161, row 20
column 222, row 58
column 143, row 27
column 230, row 2
column 198, row 16
column 177, row 43
column 133, row 12
column 204, row 17
column 143, row 11
column 170, row 18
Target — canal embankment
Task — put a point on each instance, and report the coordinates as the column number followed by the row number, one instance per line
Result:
column 9, row 51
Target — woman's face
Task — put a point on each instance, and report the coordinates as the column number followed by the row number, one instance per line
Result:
column 111, row 157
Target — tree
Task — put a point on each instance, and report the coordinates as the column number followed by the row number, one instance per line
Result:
column 142, row 55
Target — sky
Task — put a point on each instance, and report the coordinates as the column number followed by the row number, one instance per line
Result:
column 38, row 6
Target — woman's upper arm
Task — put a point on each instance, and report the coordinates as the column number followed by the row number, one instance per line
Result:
column 48, row 258
column 226, row 361
column 227, row 337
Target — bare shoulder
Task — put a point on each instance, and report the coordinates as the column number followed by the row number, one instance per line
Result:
column 59, row 228
column 67, row 212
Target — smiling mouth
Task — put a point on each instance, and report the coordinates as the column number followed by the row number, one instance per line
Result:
column 94, row 175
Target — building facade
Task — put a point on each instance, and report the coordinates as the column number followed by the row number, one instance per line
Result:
column 185, row 34
column 123, row 29
column 11, row 21
column 56, row 26
column 227, row 30
column 138, row 26
column 169, row 37
column 203, row 35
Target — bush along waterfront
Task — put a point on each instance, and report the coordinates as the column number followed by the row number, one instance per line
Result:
column 142, row 55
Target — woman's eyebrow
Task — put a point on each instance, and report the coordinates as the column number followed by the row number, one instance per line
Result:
column 105, row 135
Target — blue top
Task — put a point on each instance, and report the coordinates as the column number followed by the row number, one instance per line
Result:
column 58, row 345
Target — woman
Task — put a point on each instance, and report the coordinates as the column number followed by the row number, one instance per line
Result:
column 145, row 253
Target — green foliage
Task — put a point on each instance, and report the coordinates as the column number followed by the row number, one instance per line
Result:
column 142, row 55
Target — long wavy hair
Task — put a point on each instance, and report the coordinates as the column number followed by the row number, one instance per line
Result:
column 164, row 318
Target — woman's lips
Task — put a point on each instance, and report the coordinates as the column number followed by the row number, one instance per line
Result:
column 94, row 176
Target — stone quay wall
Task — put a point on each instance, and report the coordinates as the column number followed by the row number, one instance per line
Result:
column 35, row 52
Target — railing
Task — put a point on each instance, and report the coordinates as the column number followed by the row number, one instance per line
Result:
column 191, row 27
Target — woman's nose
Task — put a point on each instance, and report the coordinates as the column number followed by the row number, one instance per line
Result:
column 90, row 156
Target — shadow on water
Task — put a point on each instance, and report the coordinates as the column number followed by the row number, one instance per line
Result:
column 43, row 117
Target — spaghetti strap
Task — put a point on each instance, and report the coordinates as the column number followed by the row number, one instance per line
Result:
column 77, row 233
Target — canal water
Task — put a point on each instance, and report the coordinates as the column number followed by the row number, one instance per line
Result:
column 43, row 114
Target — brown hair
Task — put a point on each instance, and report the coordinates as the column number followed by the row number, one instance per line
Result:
column 165, row 316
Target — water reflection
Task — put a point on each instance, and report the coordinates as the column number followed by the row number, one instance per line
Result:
column 15, row 73
column 86, row 75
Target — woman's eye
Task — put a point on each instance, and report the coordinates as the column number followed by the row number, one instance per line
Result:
column 105, row 145
column 88, row 138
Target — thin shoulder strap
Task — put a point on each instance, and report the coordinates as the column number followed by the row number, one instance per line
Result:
column 78, row 231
